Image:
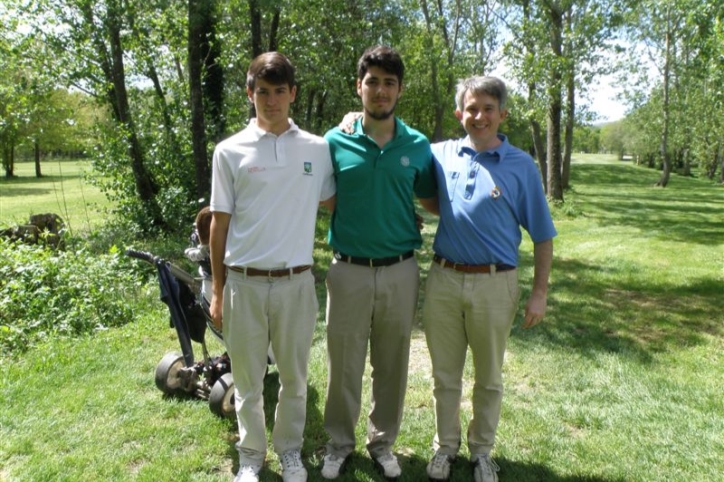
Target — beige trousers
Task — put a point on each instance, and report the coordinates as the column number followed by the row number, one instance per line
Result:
column 464, row 310
column 259, row 311
column 374, row 306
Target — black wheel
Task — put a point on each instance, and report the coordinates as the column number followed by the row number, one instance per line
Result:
column 221, row 398
column 167, row 373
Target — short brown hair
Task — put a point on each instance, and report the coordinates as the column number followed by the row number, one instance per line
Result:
column 272, row 67
column 386, row 58
column 203, row 225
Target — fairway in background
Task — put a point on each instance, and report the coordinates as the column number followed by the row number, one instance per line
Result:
column 62, row 190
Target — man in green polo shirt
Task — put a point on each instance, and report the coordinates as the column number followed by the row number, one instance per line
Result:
column 373, row 282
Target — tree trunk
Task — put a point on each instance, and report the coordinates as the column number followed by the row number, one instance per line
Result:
column 197, row 51
column 570, row 121
column 255, row 21
column 434, row 85
column 555, row 189
column 274, row 28
column 36, row 149
column 540, row 151
column 441, row 93
column 535, row 128
column 9, row 159
column 319, row 115
column 145, row 187
column 666, row 170
column 309, row 107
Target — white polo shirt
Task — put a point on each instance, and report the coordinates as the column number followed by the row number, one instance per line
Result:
column 271, row 185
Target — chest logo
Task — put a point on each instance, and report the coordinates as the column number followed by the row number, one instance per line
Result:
column 307, row 168
column 405, row 161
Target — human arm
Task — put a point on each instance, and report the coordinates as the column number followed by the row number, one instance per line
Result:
column 217, row 247
column 347, row 124
column 430, row 204
column 329, row 203
column 535, row 308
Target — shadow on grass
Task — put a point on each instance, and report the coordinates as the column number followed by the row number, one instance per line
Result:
column 361, row 467
column 23, row 192
column 688, row 209
column 312, row 439
column 626, row 316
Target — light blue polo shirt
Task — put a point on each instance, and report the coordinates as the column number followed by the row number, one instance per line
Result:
column 485, row 198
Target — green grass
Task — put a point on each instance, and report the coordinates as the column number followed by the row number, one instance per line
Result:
column 621, row 382
column 62, row 190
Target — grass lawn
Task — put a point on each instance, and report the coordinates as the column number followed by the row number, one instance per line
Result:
column 621, row 382
column 62, row 190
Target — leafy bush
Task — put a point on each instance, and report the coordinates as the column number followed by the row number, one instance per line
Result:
column 59, row 293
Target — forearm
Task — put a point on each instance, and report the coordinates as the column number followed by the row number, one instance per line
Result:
column 543, row 260
column 430, row 205
column 217, row 249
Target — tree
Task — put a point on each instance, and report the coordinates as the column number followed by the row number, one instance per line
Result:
column 680, row 37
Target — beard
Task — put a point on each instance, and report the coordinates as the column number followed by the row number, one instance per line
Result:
column 381, row 114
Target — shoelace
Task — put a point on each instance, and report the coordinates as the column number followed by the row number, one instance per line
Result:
column 487, row 464
column 291, row 460
column 439, row 460
column 386, row 458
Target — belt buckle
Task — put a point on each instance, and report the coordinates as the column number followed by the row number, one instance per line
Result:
column 372, row 264
column 269, row 276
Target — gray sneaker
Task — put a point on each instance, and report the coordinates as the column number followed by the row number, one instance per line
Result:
column 332, row 466
column 248, row 473
column 292, row 468
column 389, row 466
column 439, row 467
column 484, row 468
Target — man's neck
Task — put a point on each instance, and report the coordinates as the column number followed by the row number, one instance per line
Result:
column 381, row 131
column 278, row 128
column 483, row 146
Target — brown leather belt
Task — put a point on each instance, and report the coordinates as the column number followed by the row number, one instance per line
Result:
column 271, row 273
column 472, row 268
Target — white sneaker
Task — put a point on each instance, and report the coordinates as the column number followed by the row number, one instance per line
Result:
column 439, row 467
column 485, row 469
column 248, row 473
column 292, row 468
column 388, row 466
column 332, row 466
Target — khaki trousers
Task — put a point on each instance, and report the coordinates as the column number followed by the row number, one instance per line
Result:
column 464, row 310
column 258, row 311
column 375, row 306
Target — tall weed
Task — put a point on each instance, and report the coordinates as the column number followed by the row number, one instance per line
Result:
column 59, row 293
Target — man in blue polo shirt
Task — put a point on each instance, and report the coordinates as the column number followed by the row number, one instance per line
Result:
column 488, row 189
column 373, row 281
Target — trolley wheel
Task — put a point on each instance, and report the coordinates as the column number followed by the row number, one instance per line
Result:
column 221, row 398
column 167, row 373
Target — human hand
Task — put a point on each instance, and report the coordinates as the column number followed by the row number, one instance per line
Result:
column 535, row 310
column 419, row 220
column 347, row 124
column 216, row 309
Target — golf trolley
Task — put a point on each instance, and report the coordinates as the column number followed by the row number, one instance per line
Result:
column 187, row 298
column 209, row 378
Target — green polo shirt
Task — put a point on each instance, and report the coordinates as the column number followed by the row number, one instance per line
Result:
column 374, row 216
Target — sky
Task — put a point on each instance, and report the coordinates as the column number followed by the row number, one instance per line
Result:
column 604, row 102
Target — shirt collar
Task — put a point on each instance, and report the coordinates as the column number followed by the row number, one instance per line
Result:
column 499, row 151
column 259, row 132
column 400, row 128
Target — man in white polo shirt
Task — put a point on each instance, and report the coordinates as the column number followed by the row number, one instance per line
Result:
column 267, row 183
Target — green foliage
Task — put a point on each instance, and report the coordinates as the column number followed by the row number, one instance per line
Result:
column 46, row 293
column 586, row 139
